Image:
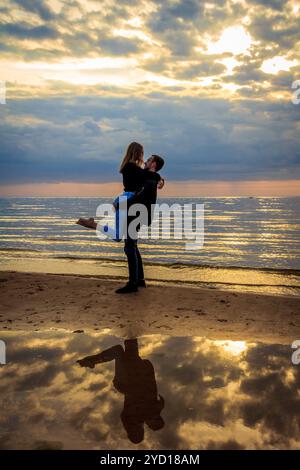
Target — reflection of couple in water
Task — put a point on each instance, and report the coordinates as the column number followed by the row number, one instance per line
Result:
column 135, row 378
column 141, row 181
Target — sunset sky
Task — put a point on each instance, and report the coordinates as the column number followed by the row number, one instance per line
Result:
column 207, row 85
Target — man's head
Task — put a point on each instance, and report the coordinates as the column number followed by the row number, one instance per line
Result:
column 154, row 163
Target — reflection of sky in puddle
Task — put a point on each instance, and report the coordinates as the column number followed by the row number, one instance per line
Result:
column 216, row 394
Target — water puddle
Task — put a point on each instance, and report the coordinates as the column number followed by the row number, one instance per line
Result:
column 152, row 392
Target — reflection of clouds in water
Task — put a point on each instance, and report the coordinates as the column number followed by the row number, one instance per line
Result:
column 217, row 395
column 273, row 402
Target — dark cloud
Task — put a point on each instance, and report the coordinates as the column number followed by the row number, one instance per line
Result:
column 168, row 15
column 173, row 24
column 279, row 30
column 273, row 4
column 205, row 67
column 185, row 9
column 37, row 6
column 28, row 356
column 273, row 402
column 37, row 379
column 118, row 46
column 231, row 444
column 200, row 138
column 25, row 31
column 47, row 445
column 249, row 73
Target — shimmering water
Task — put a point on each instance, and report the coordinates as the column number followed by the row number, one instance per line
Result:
column 153, row 392
column 244, row 232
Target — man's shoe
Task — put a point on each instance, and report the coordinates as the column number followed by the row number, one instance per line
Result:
column 142, row 283
column 127, row 289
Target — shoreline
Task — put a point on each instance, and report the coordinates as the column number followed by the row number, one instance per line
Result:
column 39, row 301
column 237, row 279
column 171, row 264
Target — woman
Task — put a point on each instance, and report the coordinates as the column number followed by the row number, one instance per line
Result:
column 134, row 177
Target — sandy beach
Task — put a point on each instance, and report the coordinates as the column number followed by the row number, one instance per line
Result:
column 38, row 301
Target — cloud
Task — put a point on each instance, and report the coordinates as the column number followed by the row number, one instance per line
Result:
column 93, row 76
column 25, row 31
column 83, row 139
column 273, row 4
column 39, row 7
column 118, row 46
column 213, row 399
column 205, row 66
column 277, row 31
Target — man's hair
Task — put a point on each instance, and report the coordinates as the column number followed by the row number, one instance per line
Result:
column 159, row 162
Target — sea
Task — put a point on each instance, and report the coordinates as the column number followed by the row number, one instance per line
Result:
column 242, row 235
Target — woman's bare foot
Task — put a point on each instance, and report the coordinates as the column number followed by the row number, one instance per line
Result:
column 86, row 362
column 89, row 223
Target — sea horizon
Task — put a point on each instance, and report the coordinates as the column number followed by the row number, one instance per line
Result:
column 250, row 243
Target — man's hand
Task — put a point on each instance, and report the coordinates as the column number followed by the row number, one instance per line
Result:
column 161, row 183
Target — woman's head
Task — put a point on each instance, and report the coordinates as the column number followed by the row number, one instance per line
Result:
column 134, row 154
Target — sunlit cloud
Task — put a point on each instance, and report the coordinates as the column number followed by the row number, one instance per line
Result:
column 234, row 348
column 206, row 82
column 230, row 63
column 277, row 64
column 234, row 39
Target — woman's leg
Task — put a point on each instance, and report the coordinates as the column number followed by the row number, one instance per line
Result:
column 89, row 223
column 115, row 352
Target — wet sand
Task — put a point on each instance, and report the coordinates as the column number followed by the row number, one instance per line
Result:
column 238, row 279
column 38, row 301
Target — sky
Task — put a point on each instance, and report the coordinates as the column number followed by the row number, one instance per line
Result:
column 207, row 85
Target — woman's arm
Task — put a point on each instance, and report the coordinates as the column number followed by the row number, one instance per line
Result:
column 161, row 183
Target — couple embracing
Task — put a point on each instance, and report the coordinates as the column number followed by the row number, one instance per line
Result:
column 141, row 181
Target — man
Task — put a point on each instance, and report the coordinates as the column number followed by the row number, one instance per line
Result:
column 135, row 379
column 146, row 196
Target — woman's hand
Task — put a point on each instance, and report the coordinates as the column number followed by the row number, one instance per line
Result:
column 161, row 183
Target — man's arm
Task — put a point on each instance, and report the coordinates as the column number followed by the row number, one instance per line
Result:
column 151, row 175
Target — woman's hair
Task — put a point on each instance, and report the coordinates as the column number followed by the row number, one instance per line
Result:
column 134, row 154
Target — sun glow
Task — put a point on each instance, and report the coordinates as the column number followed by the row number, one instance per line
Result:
column 230, row 63
column 136, row 22
column 233, row 347
column 80, row 64
column 107, row 70
column 234, row 39
column 133, row 33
